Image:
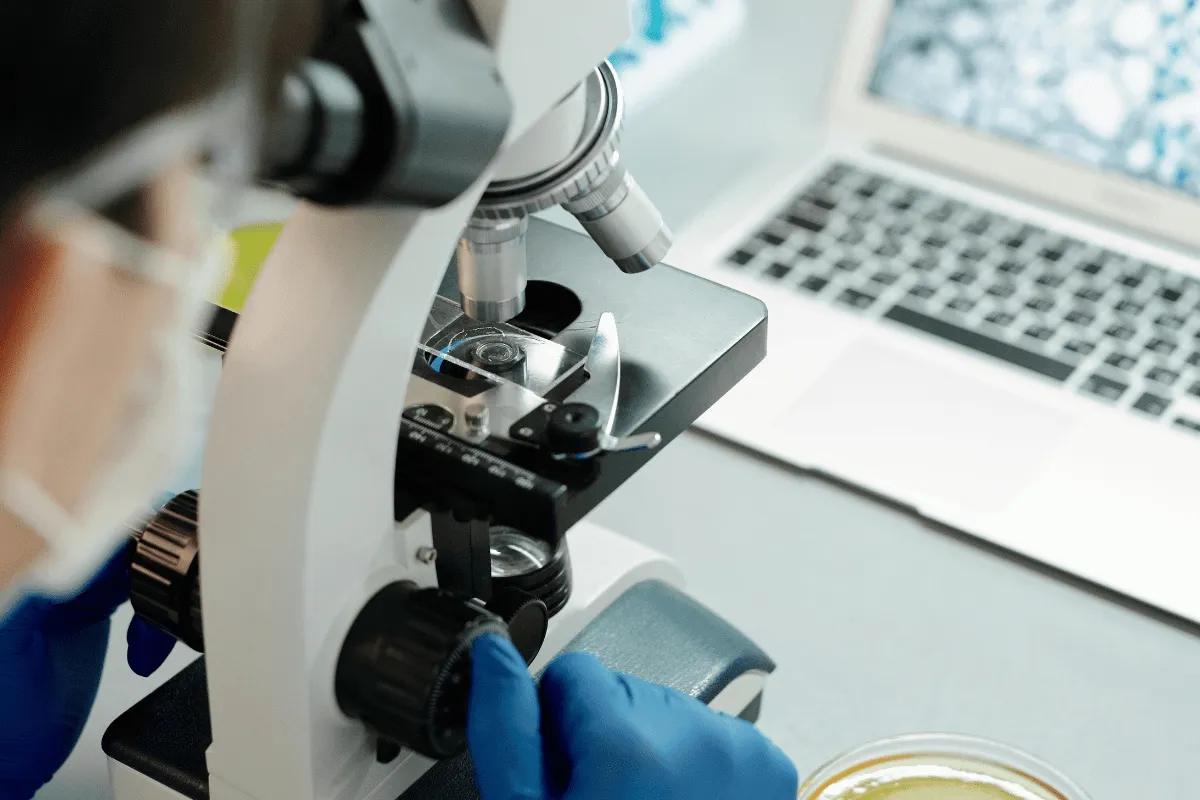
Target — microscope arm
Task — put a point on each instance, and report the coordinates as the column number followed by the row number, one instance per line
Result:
column 298, row 474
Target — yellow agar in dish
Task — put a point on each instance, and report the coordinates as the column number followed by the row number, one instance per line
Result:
column 932, row 777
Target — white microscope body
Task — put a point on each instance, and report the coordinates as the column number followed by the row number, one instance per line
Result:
column 298, row 498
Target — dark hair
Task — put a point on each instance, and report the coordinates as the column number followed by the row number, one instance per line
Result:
column 76, row 73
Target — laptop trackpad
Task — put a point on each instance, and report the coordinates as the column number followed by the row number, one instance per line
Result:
column 911, row 429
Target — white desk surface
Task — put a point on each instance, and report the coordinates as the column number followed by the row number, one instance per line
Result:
column 881, row 625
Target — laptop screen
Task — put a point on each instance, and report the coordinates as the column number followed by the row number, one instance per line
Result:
column 1110, row 83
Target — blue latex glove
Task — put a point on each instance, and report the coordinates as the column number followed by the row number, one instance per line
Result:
column 594, row 734
column 51, row 657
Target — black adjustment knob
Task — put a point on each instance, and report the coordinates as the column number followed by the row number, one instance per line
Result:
column 405, row 666
column 164, row 571
column 574, row 428
column 527, row 618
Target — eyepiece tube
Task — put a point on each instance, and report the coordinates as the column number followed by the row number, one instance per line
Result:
column 492, row 269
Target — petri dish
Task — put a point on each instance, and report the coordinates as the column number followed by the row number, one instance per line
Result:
column 938, row 767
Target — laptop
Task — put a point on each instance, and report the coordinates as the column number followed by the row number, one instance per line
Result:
column 984, row 293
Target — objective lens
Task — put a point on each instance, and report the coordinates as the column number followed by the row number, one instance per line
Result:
column 623, row 222
column 492, row 269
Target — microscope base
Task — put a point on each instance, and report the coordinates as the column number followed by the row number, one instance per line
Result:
column 647, row 627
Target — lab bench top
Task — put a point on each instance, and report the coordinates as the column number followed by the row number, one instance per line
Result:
column 881, row 624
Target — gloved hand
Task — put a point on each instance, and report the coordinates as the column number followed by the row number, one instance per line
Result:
column 594, row 734
column 51, row 657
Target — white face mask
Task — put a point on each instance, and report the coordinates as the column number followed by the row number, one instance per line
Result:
column 151, row 444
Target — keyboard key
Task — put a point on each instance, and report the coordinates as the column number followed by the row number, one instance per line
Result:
column 1129, row 307
column 837, row 173
column 1131, row 281
column 1162, row 347
column 923, row 291
column 1170, row 295
column 1122, row 361
column 772, row 237
column 778, row 270
column 1170, row 322
column 1071, row 246
column 814, row 284
column 1012, row 267
column 1040, row 332
column 859, row 300
column 962, row 305
column 1189, row 425
column 1121, row 332
column 847, row 264
column 1106, row 388
column 942, row 213
column 1162, row 375
column 979, row 225
column 1080, row 316
column 1002, row 290
column 1090, row 293
column 742, row 257
column 1043, row 365
column 1152, row 404
column 851, row 236
column 810, row 222
column 821, row 201
column 1081, row 347
column 1151, row 270
column 869, row 190
column 1041, row 303
column 1001, row 318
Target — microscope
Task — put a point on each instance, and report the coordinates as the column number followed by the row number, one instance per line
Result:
column 426, row 391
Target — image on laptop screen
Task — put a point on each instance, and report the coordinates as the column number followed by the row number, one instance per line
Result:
column 1114, row 84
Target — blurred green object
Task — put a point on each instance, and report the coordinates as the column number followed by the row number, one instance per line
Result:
column 252, row 244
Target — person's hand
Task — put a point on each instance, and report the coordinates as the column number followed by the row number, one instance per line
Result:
column 594, row 734
column 51, row 657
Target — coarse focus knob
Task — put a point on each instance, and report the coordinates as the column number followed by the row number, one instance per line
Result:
column 405, row 666
column 164, row 571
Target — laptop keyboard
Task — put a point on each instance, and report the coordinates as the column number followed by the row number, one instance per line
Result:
column 1115, row 329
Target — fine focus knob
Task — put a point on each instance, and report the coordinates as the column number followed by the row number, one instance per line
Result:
column 405, row 666
column 164, row 571
column 526, row 616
